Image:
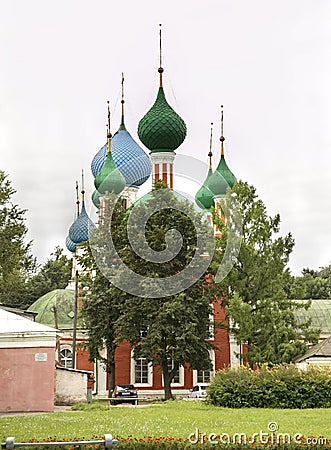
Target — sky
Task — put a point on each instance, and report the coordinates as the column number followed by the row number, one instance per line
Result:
column 267, row 62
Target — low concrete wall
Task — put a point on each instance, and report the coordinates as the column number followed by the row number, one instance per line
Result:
column 70, row 386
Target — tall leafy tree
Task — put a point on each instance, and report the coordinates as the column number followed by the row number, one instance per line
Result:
column 100, row 308
column 312, row 284
column 54, row 274
column 259, row 311
column 16, row 260
column 169, row 331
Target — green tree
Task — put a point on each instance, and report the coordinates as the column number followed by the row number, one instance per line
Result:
column 100, row 308
column 174, row 330
column 259, row 312
column 16, row 261
column 54, row 274
column 312, row 284
column 169, row 331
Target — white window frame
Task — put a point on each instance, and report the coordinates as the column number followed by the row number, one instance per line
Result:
column 66, row 347
column 132, row 375
column 212, row 372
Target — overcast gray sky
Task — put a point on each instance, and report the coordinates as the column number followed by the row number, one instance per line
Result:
column 267, row 62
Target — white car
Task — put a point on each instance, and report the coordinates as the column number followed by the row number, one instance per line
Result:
column 198, row 391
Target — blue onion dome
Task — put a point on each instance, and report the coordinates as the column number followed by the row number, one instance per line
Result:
column 99, row 160
column 82, row 227
column 161, row 129
column 131, row 160
column 71, row 246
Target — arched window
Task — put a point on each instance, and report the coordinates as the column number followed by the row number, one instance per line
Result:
column 66, row 357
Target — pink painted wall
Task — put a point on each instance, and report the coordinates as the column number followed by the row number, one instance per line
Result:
column 27, row 380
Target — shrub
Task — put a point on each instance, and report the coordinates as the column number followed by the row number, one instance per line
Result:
column 276, row 387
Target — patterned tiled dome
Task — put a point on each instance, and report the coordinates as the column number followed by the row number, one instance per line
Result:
column 81, row 229
column 129, row 157
column 71, row 246
column 161, row 129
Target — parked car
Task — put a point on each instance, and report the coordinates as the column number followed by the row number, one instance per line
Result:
column 123, row 393
column 198, row 391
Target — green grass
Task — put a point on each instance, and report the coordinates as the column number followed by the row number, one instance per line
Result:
column 177, row 419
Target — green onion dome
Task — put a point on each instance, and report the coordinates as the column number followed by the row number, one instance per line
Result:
column 109, row 179
column 204, row 197
column 96, row 199
column 221, row 179
column 161, row 129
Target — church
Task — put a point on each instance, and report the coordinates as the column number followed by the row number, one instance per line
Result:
column 122, row 166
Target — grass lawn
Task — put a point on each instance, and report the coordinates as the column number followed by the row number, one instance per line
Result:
column 176, row 418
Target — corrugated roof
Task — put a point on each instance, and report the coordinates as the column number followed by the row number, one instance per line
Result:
column 60, row 303
column 319, row 312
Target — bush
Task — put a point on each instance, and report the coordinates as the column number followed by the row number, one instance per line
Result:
column 276, row 387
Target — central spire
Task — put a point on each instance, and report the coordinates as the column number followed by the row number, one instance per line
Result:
column 160, row 69
column 161, row 129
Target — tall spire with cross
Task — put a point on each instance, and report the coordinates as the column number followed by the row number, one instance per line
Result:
column 109, row 179
column 130, row 159
column 222, row 178
column 162, row 131
column 204, row 197
column 80, row 230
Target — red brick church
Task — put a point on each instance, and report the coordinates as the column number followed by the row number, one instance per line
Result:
column 161, row 131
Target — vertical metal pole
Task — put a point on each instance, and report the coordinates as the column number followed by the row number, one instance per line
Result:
column 74, row 334
column 56, row 322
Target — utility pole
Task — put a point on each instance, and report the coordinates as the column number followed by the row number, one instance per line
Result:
column 74, row 334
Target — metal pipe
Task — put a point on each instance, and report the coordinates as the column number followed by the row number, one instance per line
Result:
column 108, row 442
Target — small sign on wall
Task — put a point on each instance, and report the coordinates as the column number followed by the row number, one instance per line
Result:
column 40, row 357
